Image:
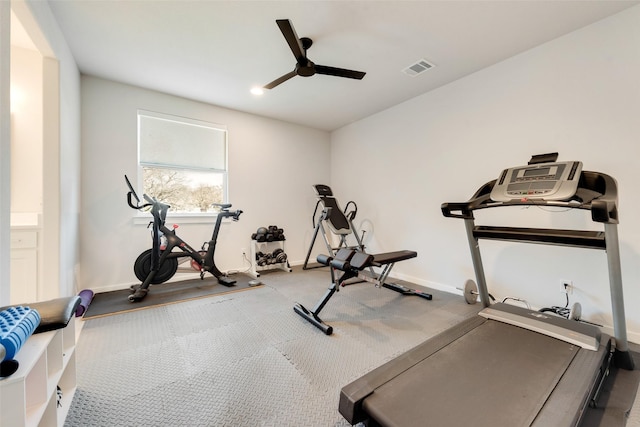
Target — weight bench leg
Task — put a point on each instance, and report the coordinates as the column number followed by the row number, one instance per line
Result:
column 312, row 316
column 313, row 319
column 406, row 291
column 399, row 288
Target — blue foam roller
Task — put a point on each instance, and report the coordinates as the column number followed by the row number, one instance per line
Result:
column 16, row 326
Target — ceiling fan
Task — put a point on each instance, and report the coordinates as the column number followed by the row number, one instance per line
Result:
column 304, row 66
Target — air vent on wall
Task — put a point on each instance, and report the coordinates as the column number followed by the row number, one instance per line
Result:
column 418, row 68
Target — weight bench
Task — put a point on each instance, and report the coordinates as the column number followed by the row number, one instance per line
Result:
column 352, row 263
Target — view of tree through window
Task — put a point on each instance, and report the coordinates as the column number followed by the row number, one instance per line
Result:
column 182, row 190
column 183, row 161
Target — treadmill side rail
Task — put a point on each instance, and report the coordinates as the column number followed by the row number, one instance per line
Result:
column 576, row 391
column 353, row 395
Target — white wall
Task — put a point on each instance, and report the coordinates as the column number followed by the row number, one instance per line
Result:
column 578, row 95
column 61, row 153
column 272, row 166
column 61, row 148
column 26, row 130
column 5, row 151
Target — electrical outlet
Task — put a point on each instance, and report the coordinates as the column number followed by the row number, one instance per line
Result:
column 567, row 286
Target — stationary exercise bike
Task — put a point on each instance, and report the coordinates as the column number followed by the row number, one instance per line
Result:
column 160, row 263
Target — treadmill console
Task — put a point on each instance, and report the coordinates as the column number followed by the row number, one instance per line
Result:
column 541, row 181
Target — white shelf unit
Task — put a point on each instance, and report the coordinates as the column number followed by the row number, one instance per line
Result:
column 29, row 396
column 266, row 247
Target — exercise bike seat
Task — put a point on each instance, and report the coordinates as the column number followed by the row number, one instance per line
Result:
column 223, row 206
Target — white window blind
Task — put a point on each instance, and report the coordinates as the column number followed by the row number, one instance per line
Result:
column 171, row 141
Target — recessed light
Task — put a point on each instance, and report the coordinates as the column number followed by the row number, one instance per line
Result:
column 257, row 90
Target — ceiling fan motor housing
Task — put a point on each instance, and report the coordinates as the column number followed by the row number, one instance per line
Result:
column 307, row 70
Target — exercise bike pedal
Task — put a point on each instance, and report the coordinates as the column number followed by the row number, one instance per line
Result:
column 138, row 295
column 223, row 280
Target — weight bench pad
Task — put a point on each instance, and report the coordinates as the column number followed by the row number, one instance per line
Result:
column 344, row 254
column 361, row 260
column 389, row 257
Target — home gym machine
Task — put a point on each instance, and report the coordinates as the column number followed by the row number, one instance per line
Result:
column 340, row 222
column 352, row 263
column 160, row 263
column 508, row 365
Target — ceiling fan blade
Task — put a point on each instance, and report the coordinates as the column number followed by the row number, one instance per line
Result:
column 279, row 80
column 292, row 39
column 339, row 72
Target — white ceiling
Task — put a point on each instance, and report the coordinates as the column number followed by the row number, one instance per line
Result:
column 215, row 51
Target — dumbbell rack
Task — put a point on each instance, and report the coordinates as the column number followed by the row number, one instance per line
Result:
column 266, row 247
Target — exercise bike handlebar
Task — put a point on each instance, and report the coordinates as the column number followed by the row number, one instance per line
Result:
column 159, row 210
column 235, row 216
column 131, row 195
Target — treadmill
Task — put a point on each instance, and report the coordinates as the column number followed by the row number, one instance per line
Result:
column 508, row 366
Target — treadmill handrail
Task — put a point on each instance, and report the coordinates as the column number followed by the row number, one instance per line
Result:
column 597, row 192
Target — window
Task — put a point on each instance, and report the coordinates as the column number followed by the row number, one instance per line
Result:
column 183, row 161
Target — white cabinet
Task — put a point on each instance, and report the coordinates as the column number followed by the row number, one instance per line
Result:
column 29, row 397
column 26, row 258
column 262, row 260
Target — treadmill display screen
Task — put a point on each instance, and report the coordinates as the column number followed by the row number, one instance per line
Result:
column 536, row 172
column 544, row 181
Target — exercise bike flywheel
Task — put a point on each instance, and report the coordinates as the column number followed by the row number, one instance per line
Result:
column 142, row 268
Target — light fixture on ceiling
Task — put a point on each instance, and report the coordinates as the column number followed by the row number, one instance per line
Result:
column 257, row 90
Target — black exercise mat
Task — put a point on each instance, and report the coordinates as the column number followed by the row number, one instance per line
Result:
column 114, row 302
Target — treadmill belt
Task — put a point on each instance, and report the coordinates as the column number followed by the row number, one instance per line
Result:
column 495, row 375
